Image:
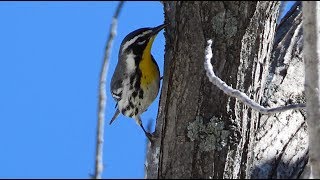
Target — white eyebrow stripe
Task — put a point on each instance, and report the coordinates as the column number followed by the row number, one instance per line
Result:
column 128, row 43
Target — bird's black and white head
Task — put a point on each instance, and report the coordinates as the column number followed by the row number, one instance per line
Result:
column 139, row 40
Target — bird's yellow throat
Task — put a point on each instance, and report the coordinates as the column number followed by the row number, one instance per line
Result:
column 148, row 68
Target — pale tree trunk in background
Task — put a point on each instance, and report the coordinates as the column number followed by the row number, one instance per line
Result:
column 311, row 25
column 281, row 149
column 202, row 132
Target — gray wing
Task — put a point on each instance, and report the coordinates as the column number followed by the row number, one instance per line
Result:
column 116, row 85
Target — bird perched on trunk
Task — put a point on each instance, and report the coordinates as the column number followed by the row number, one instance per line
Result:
column 136, row 80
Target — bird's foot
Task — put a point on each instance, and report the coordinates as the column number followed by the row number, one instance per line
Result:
column 151, row 137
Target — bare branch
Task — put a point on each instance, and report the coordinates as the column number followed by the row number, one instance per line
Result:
column 311, row 55
column 237, row 94
column 103, row 96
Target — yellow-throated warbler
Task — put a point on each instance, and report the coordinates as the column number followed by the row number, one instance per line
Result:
column 136, row 79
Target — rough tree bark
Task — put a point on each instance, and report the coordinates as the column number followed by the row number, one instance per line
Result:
column 202, row 133
column 281, row 148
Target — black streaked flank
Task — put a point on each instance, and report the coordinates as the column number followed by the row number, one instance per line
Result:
column 131, row 114
column 132, row 77
column 138, row 78
column 141, row 94
column 134, row 94
column 131, row 105
column 123, row 111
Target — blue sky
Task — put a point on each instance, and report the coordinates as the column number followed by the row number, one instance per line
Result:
column 50, row 60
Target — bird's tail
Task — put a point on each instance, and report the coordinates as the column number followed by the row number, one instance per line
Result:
column 114, row 116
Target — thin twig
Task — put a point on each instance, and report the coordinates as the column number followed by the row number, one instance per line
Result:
column 103, row 96
column 236, row 93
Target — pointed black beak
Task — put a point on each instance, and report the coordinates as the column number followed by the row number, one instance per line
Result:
column 157, row 29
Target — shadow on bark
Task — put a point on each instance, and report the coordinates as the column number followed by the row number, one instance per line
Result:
column 281, row 169
column 282, row 140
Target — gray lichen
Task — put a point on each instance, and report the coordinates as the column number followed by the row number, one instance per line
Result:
column 231, row 25
column 211, row 135
column 218, row 22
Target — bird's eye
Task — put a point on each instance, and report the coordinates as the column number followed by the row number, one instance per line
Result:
column 141, row 42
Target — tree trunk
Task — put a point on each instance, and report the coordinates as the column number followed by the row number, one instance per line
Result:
column 311, row 25
column 281, row 148
column 203, row 133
